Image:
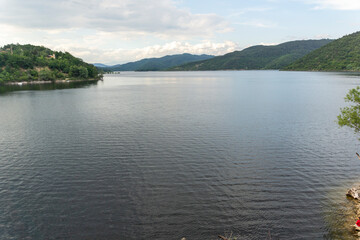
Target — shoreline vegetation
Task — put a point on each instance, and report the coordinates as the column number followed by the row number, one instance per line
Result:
column 46, row 85
column 349, row 117
column 37, row 65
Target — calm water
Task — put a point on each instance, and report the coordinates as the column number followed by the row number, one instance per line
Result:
column 167, row 155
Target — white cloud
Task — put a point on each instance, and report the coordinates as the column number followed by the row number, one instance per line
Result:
column 335, row 4
column 115, row 56
column 161, row 17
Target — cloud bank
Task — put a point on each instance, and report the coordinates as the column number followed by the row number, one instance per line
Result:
column 162, row 17
column 112, row 31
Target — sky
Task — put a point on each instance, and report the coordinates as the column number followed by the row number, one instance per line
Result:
column 120, row 31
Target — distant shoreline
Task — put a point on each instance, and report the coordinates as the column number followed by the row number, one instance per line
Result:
column 280, row 70
column 48, row 82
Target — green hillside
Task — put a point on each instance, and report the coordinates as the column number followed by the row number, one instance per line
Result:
column 340, row 55
column 257, row 57
column 157, row 64
column 37, row 63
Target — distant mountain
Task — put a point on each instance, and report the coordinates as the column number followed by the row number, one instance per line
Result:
column 157, row 64
column 100, row 65
column 342, row 54
column 257, row 57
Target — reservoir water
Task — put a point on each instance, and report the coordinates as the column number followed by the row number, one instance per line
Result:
column 179, row 154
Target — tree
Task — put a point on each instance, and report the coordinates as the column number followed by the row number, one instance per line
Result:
column 46, row 75
column 78, row 72
column 350, row 116
column 83, row 72
column 92, row 71
column 74, row 71
column 33, row 74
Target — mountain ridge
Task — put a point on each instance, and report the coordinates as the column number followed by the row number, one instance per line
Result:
column 342, row 54
column 157, row 64
column 257, row 57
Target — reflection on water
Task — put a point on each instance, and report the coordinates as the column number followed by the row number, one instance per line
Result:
column 46, row 86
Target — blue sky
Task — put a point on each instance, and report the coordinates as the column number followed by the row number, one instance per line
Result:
column 119, row 31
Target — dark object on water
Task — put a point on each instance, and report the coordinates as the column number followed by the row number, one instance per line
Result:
column 358, row 155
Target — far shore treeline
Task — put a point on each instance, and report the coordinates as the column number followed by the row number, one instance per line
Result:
column 23, row 63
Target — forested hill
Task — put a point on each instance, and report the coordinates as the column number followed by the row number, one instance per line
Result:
column 157, row 64
column 37, row 63
column 342, row 54
column 257, row 57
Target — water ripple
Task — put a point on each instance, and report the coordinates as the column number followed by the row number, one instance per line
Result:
column 167, row 155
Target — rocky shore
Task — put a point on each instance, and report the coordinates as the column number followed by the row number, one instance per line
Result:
column 354, row 192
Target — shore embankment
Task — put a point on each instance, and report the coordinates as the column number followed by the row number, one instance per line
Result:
column 48, row 82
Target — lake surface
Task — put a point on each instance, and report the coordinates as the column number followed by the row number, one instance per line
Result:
column 179, row 154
